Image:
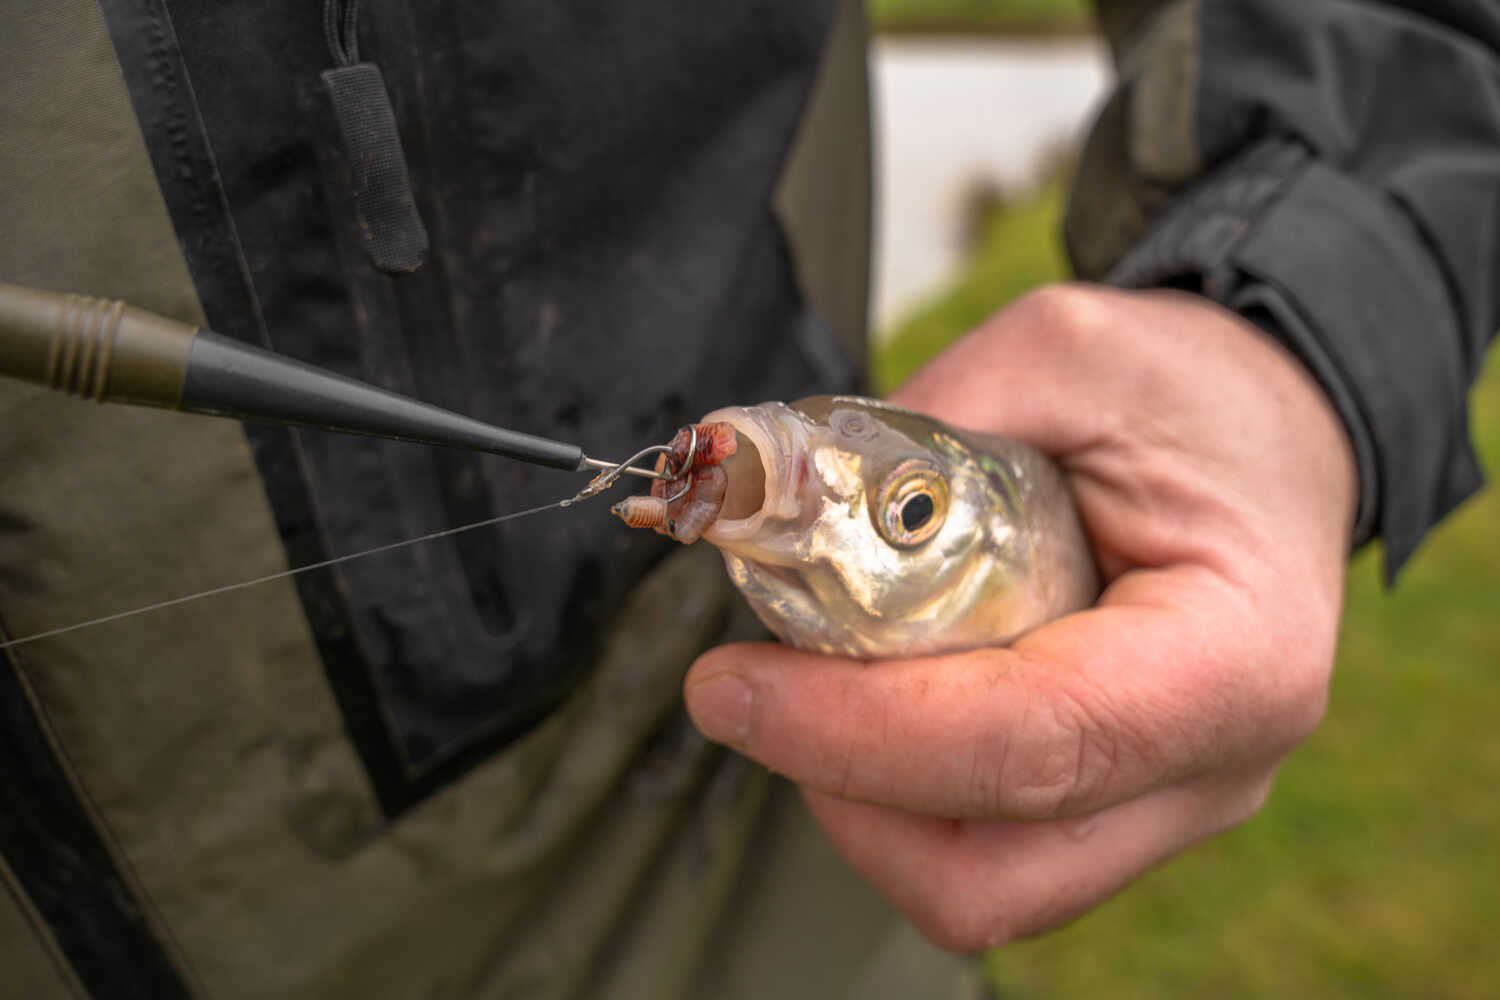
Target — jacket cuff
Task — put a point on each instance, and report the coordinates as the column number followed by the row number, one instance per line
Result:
column 1338, row 274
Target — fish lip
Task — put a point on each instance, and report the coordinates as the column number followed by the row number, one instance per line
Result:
column 780, row 448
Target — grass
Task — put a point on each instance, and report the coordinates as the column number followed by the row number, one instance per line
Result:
column 980, row 16
column 1374, row 870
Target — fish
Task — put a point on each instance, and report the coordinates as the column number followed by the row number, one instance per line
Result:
column 857, row 528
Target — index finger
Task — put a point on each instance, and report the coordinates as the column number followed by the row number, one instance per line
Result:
column 1165, row 679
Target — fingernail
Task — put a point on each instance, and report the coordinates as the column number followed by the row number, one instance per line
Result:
column 722, row 708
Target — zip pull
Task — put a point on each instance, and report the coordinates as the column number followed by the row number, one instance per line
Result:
column 394, row 238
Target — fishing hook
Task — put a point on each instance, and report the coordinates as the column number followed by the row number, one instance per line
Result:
column 687, row 466
column 612, row 472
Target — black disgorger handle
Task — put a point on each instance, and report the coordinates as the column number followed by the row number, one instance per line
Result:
column 108, row 351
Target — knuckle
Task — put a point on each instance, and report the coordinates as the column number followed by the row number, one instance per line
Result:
column 1307, row 707
column 1067, row 311
column 849, row 750
column 836, row 768
column 1244, row 805
column 1253, row 801
column 1067, row 756
column 964, row 929
column 969, row 917
column 841, row 769
column 1295, row 690
column 1273, row 686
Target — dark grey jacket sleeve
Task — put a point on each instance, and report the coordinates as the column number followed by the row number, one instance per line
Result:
column 1330, row 169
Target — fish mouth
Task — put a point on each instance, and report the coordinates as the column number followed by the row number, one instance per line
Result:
column 760, row 475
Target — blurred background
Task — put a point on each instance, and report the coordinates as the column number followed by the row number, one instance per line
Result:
column 1374, row 870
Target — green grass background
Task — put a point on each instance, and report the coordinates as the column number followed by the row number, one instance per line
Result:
column 1374, row 870
column 979, row 15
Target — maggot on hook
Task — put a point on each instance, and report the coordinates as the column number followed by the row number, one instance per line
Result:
column 685, row 514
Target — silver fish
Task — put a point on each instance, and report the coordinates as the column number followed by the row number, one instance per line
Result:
column 857, row 528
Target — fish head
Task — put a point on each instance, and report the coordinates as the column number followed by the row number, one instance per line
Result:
column 859, row 528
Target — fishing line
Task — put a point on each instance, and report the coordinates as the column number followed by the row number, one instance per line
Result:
column 284, row 573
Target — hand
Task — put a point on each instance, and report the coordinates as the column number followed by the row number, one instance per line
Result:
column 1001, row 792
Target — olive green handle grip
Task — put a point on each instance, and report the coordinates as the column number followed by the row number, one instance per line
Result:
column 101, row 349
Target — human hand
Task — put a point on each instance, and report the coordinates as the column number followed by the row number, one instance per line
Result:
column 1001, row 792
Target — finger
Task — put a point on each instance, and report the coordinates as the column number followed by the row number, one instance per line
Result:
column 1151, row 687
column 973, row 885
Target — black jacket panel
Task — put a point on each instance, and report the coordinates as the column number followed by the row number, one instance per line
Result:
column 1350, row 202
column 604, row 266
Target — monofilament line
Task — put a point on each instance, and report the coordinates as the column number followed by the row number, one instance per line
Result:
column 34, row 637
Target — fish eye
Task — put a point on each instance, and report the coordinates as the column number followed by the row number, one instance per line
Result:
column 913, row 504
column 916, row 510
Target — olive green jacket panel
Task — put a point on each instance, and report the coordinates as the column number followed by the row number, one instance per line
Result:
column 780, row 938
column 30, row 960
column 1144, row 144
column 103, row 512
column 824, row 194
column 82, row 208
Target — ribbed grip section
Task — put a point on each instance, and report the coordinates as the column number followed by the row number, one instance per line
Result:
column 96, row 348
column 83, row 342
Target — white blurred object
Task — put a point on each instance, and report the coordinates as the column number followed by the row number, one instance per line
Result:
column 951, row 114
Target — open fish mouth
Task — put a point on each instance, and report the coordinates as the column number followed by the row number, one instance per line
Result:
column 741, row 485
column 764, row 473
